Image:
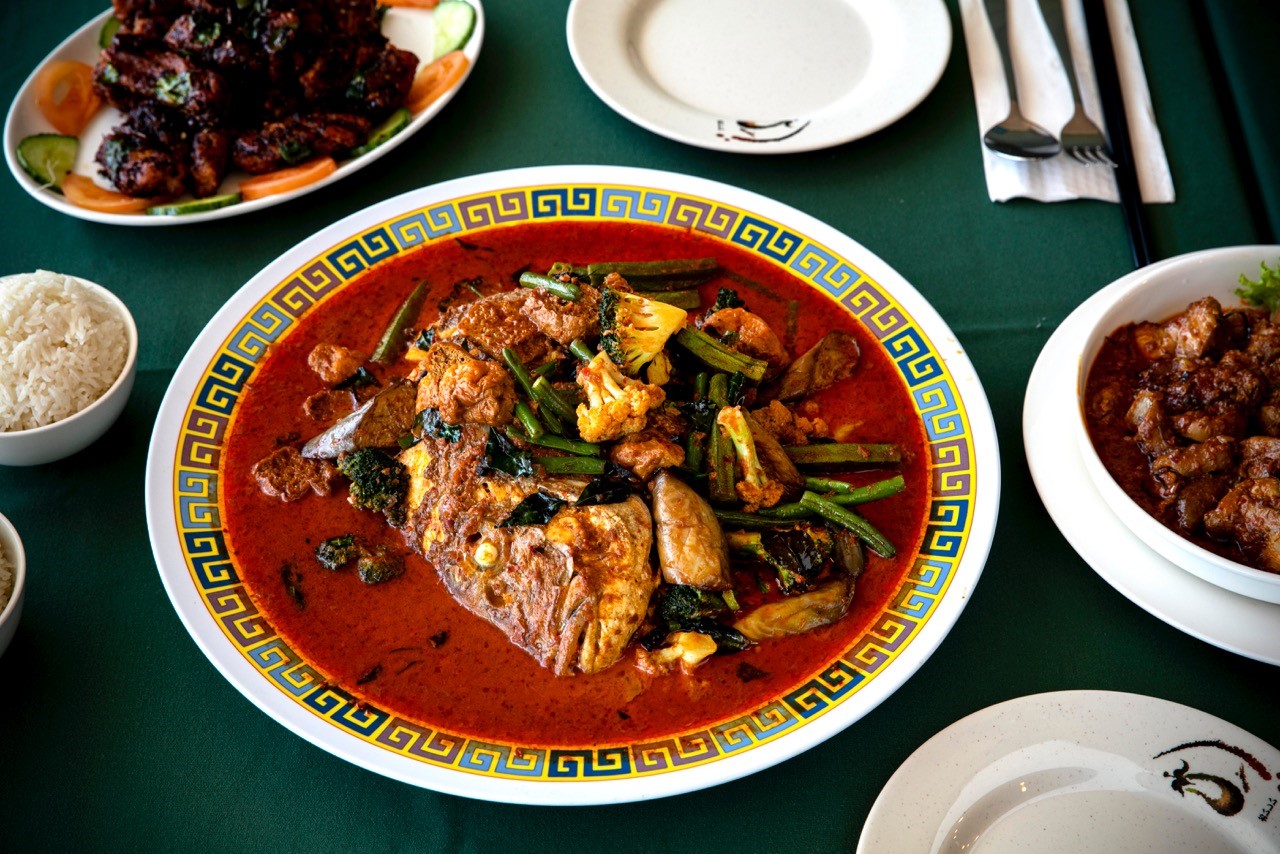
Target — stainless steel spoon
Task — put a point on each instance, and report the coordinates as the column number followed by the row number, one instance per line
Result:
column 1016, row 137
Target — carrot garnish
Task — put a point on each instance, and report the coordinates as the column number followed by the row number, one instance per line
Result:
column 284, row 180
column 436, row 79
column 64, row 94
column 84, row 193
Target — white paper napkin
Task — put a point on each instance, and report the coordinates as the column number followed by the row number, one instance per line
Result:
column 1045, row 98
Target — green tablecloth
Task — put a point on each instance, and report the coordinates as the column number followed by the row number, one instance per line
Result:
column 115, row 730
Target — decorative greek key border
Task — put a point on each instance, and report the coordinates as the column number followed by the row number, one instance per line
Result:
column 198, row 456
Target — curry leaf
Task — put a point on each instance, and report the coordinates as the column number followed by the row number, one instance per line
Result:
column 727, row 298
column 429, row 423
column 535, row 509
column 359, row 379
column 613, row 487
column 501, row 455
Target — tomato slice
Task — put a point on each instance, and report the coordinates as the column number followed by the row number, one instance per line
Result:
column 436, row 79
column 84, row 193
column 284, row 180
column 64, row 94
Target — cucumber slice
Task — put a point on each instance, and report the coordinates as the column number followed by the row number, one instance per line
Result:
column 108, row 32
column 195, row 205
column 454, row 20
column 48, row 157
column 398, row 121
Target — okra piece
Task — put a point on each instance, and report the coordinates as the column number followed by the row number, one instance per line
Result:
column 844, row 454
column 565, row 290
column 571, row 465
column 716, row 355
column 394, row 337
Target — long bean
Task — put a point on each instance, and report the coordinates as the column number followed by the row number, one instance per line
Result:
column 565, row 290
column 712, row 352
column 546, row 369
column 723, row 461
column 718, row 389
column 393, row 338
column 559, row 443
column 529, row 421
column 675, row 268
column 580, row 349
column 701, row 384
column 844, row 454
column 549, row 398
column 852, row 496
column 518, row 370
column 750, row 520
column 571, row 465
column 850, row 520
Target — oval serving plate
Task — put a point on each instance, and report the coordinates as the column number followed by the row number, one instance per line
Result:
column 183, row 505
column 759, row 77
column 410, row 29
column 1081, row 771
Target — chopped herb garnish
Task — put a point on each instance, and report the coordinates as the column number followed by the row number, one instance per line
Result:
column 361, row 378
column 291, row 151
column 1265, row 292
column 174, row 89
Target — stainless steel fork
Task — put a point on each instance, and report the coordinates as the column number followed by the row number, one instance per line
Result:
column 1081, row 137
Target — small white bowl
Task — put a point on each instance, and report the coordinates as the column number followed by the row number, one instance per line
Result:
column 76, row 432
column 1155, row 294
column 12, row 611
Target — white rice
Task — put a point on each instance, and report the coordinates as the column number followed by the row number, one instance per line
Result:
column 6, row 578
column 61, row 346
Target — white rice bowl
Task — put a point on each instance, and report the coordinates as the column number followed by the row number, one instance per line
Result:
column 6, row 578
column 62, row 345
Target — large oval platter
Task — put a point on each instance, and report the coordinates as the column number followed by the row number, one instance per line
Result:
column 184, row 509
column 407, row 28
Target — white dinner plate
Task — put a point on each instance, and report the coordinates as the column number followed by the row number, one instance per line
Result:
column 184, row 508
column 758, row 76
column 406, row 28
column 1243, row 625
column 1076, row 771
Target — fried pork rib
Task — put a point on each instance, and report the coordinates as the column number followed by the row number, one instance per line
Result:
column 210, row 83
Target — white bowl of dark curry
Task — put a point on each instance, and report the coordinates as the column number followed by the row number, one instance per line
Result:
column 1179, row 387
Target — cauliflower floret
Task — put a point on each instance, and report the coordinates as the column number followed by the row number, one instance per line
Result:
column 616, row 405
column 686, row 649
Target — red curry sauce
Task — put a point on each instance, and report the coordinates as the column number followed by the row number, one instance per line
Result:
column 406, row 645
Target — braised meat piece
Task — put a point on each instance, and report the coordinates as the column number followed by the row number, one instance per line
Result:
column 287, row 475
column 1250, row 515
column 333, row 363
column 285, row 143
column 1173, row 467
column 646, row 452
column 561, row 320
column 463, row 389
column 499, row 321
column 1260, row 457
column 788, row 427
column 748, row 333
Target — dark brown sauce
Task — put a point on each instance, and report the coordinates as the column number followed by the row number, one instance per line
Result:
column 1115, row 372
column 406, row 646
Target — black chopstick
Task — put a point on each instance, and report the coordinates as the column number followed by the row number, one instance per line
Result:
column 1116, row 118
